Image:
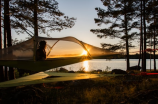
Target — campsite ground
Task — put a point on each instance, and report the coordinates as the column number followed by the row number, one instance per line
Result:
column 127, row 89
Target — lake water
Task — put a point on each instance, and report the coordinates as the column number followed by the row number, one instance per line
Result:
column 107, row 65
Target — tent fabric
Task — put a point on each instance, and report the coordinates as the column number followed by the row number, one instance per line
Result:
column 56, row 48
column 22, row 51
column 59, row 51
column 37, row 66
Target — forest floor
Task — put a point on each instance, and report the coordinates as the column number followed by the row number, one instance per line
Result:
column 128, row 89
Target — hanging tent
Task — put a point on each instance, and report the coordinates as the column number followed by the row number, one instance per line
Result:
column 59, row 51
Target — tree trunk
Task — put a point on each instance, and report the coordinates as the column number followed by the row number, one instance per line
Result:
column 126, row 33
column 150, row 51
column 154, row 50
column 144, row 58
column 154, row 39
column 141, row 40
column 5, row 40
column 142, row 46
column 8, row 31
column 35, row 18
column 1, row 67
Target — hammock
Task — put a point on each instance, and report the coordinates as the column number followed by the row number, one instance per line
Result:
column 59, row 51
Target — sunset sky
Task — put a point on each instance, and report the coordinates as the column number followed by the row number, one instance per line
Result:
column 84, row 11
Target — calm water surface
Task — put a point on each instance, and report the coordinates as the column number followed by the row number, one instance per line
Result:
column 104, row 64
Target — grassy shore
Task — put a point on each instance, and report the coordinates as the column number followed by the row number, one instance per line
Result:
column 107, row 90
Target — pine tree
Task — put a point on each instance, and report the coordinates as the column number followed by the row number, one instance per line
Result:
column 7, row 32
column 1, row 67
column 121, row 14
column 149, row 15
column 41, row 14
column 24, row 16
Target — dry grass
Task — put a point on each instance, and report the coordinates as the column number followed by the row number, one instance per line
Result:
column 106, row 90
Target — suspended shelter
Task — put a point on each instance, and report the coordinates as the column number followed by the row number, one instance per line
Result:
column 59, row 52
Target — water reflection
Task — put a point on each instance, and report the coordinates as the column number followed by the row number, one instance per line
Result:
column 86, row 65
column 103, row 64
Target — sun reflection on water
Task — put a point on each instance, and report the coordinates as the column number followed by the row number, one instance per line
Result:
column 86, row 65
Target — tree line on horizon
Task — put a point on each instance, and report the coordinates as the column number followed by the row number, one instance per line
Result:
column 129, row 20
column 122, row 56
column 29, row 17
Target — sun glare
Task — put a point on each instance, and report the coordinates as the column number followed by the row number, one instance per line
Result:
column 86, row 65
column 84, row 53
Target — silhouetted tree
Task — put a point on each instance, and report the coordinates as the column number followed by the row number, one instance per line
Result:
column 43, row 15
column 149, row 16
column 5, row 42
column 24, row 16
column 1, row 67
column 152, row 19
column 120, row 14
column 144, row 25
column 35, row 18
column 141, row 33
column 7, row 32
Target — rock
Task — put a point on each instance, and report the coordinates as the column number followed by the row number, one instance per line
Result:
column 71, row 72
column 63, row 70
column 118, row 71
column 99, row 70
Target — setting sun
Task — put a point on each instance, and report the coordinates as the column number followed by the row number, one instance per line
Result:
column 84, row 53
